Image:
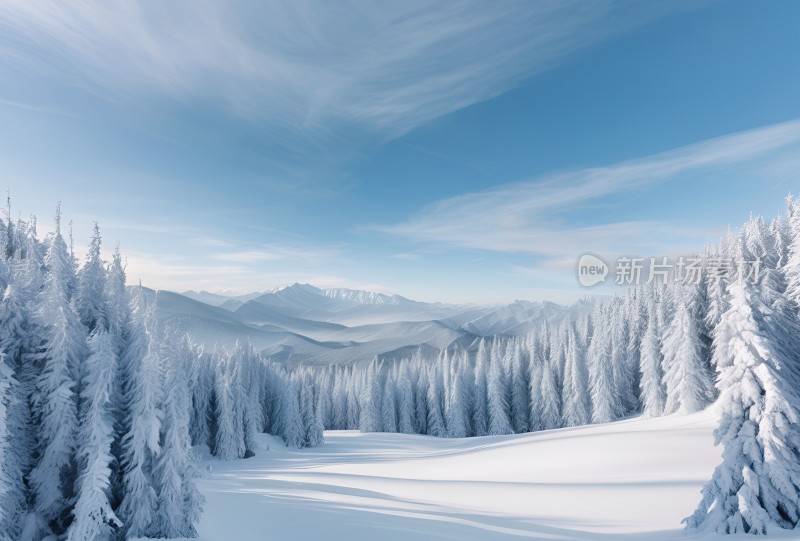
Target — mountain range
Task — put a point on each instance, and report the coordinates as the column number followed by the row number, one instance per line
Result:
column 303, row 323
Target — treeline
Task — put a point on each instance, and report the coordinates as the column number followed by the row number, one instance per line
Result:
column 237, row 394
column 646, row 352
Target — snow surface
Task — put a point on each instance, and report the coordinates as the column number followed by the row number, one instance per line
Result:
column 634, row 479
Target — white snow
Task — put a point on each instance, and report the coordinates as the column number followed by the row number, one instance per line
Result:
column 632, row 479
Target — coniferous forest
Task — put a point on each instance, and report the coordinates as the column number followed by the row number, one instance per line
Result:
column 105, row 412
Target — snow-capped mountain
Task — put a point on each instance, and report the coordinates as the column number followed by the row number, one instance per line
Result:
column 363, row 297
column 304, row 323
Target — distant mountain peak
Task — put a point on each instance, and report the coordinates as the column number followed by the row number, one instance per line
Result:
column 358, row 296
column 364, row 297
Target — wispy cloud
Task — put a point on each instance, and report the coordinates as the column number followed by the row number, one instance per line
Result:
column 408, row 256
column 531, row 217
column 35, row 108
column 275, row 252
column 305, row 65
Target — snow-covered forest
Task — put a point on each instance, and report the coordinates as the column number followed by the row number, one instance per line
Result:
column 98, row 407
column 103, row 411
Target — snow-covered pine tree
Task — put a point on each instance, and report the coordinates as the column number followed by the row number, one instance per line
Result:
column 688, row 379
column 421, row 396
column 653, row 394
column 756, row 488
column 15, row 346
column 550, row 397
column 370, row 400
column 10, row 481
column 311, row 414
column 405, row 402
column 291, row 425
column 607, row 403
column 480, row 400
column 141, row 440
column 315, row 431
column 226, row 444
column 499, row 419
column 622, row 368
column 389, row 406
column 339, row 400
column 323, row 387
column 247, row 396
column 717, row 278
column 576, row 409
column 791, row 269
column 636, row 310
column 179, row 503
column 202, row 390
column 90, row 295
column 456, row 406
column 520, row 388
column 94, row 517
column 55, row 401
column 353, row 405
column 436, row 425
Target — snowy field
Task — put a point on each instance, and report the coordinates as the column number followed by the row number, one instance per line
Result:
column 633, row 479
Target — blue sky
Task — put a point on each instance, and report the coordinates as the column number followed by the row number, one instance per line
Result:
column 463, row 151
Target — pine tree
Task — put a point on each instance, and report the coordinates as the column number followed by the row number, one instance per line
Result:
column 576, row 409
column 93, row 515
column 551, row 401
column 436, row 424
column 421, row 403
column 388, row 407
column 716, row 283
column 756, row 488
column 405, row 410
column 14, row 344
column 10, row 483
column 226, row 444
column 520, row 385
column 622, row 367
column 55, row 403
column 653, row 392
column 607, row 404
column 456, row 406
column 792, row 267
column 315, row 431
column 339, row 402
column 141, row 440
column 370, row 418
column 202, row 389
column 499, row 420
column 311, row 414
column 179, row 502
column 90, row 295
column 480, row 399
column 353, row 406
column 688, row 379
column 56, row 412
column 292, row 430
